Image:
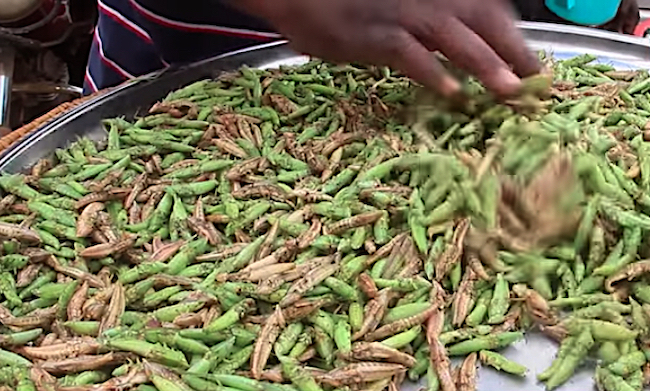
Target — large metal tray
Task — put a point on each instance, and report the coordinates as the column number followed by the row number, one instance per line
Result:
column 536, row 352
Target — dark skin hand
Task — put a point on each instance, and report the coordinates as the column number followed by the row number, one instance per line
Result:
column 626, row 19
column 478, row 36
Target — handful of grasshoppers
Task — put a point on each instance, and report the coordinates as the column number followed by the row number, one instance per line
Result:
column 324, row 227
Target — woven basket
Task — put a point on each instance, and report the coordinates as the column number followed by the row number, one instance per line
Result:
column 16, row 135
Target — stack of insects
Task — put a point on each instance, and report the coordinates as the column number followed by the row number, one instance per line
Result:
column 329, row 227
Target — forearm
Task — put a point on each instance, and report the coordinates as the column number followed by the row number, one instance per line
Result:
column 259, row 8
column 268, row 10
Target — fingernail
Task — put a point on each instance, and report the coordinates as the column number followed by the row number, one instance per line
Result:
column 509, row 83
column 449, row 86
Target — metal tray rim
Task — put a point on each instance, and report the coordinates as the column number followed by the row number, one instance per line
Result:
column 583, row 31
column 528, row 28
column 34, row 137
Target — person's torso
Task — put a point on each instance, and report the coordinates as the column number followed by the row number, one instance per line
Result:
column 135, row 37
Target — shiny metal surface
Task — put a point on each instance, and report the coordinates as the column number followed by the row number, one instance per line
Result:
column 537, row 351
column 563, row 41
column 7, row 57
column 560, row 40
column 47, row 88
column 132, row 98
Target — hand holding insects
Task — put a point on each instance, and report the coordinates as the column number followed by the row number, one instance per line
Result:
column 476, row 35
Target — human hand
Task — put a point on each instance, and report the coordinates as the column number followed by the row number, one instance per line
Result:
column 626, row 18
column 478, row 36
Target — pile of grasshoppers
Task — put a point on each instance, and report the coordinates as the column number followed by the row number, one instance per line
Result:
column 334, row 227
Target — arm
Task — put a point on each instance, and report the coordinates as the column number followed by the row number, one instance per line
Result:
column 477, row 35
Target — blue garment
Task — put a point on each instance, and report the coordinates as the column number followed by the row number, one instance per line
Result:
column 136, row 37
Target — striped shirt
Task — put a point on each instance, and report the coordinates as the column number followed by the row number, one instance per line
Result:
column 136, row 37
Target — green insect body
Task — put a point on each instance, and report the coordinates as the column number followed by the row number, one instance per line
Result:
column 402, row 339
column 343, row 336
column 499, row 302
column 501, row 363
column 480, row 309
column 608, row 352
column 234, row 193
column 627, row 364
column 495, row 341
column 155, row 352
column 570, row 362
column 612, row 382
column 231, row 316
column 433, row 382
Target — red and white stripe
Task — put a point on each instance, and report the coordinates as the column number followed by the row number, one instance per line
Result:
column 89, row 80
column 203, row 28
column 110, row 63
column 121, row 19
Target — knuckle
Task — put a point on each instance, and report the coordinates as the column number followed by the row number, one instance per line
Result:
column 395, row 43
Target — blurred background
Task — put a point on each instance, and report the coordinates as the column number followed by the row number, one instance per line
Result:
column 44, row 46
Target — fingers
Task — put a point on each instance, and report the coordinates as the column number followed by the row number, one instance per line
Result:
column 623, row 25
column 469, row 51
column 629, row 11
column 497, row 27
column 626, row 19
column 631, row 22
column 629, row 28
column 416, row 61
